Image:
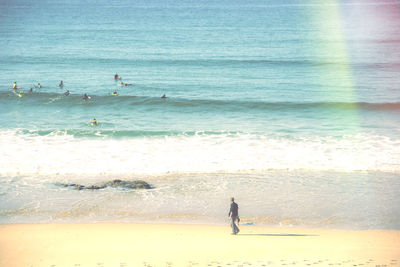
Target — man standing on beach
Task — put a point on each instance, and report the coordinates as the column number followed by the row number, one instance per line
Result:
column 234, row 215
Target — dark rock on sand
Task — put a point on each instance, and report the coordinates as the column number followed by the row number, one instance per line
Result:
column 129, row 184
column 95, row 187
column 75, row 186
column 115, row 184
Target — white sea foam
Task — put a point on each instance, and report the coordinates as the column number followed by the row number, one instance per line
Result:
column 51, row 154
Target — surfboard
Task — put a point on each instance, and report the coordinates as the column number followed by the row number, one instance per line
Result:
column 18, row 94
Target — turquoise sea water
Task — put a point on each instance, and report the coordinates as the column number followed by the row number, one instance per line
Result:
column 282, row 104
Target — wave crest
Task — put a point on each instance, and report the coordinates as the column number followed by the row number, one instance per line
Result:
column 214, row 104
column 240, row 152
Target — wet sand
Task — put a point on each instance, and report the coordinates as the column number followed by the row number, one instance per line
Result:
column 128, row 244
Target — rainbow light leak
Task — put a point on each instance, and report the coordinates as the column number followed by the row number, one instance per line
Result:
column 354, row 31
column 347, row 32
column 354, row 34
column 332, row 48
column 335, row 75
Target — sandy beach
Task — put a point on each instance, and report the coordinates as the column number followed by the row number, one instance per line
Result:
column 128, row 244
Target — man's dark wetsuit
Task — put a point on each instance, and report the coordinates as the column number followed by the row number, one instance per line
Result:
column 234, row 214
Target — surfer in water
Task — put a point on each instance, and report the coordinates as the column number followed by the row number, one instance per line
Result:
column 85, row 97
column 115, row 92
column 125, row 84
column 164, row 96
column 21, row 93
column 38, row 86
column 15, row 86
column 31, row 90
column 67, row 93
column 61, row 85
column 94, row 122
column 116, row 77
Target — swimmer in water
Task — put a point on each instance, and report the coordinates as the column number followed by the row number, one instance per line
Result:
column 125, row 84
column 38, row 86
column 61, row 85
column 116, row 77
column 115, row 92
column 94, row 122
column 21, row 94
column 31, row 90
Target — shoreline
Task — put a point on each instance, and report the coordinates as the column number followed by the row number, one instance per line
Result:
column 133, row 244
column 243, row 223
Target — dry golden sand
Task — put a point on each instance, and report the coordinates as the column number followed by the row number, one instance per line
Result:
column 127, row 244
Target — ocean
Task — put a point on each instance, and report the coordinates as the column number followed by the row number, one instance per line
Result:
column 292, row 107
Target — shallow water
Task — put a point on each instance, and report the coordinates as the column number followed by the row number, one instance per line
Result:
column 353, row 200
